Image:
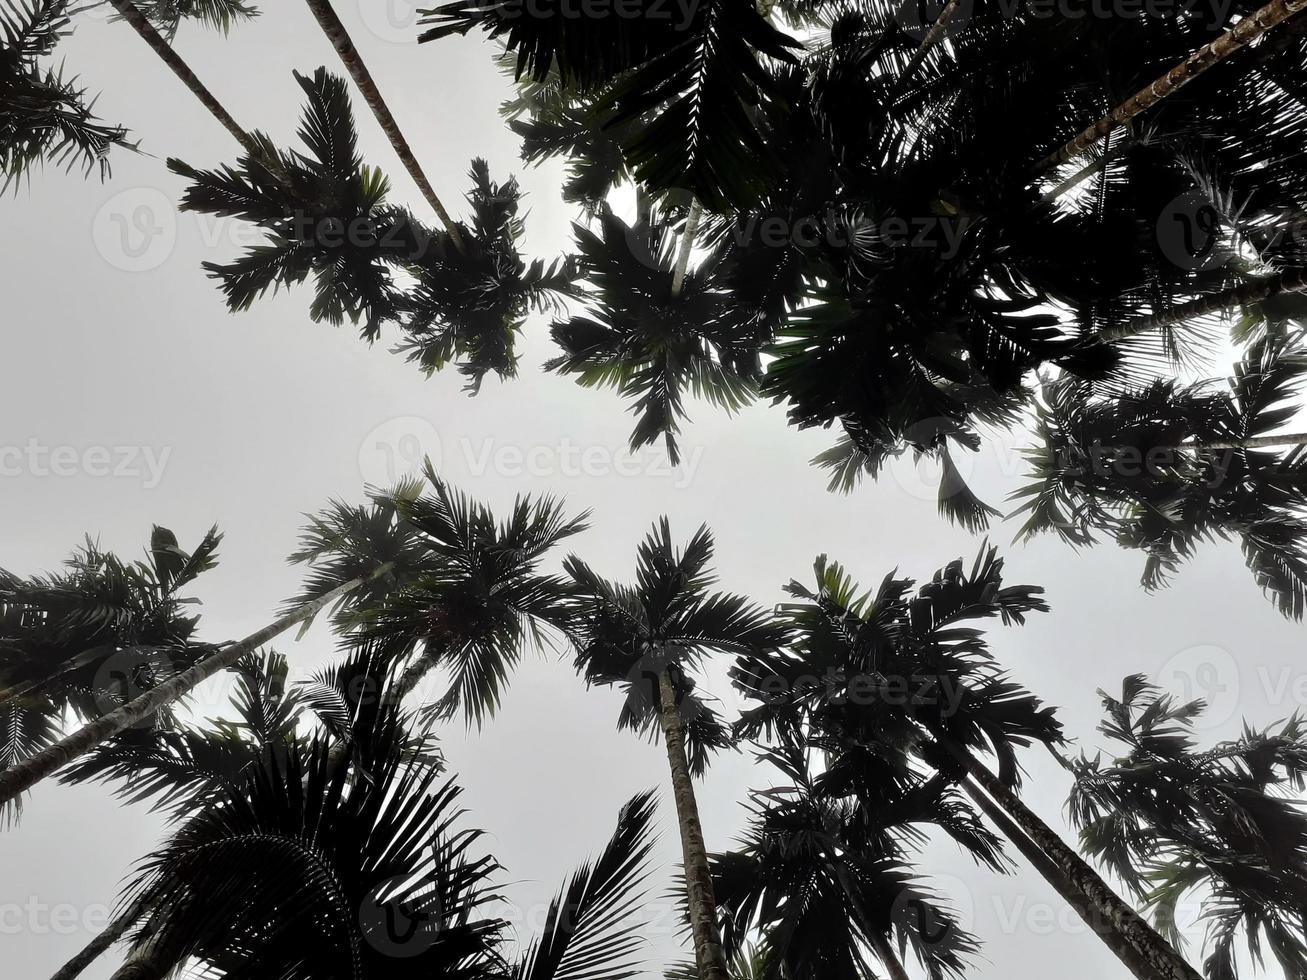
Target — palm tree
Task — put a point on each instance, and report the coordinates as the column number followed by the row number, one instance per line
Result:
column 698, row 83
column 84, row 640
column 51, row 757
column 648, row 639
column 649, row 340
column 1168, row 466
column 45, row 115
column 470, row 594
column 898, row 667
column 184, row 768
column 304, row 869
column 325, row 214
column 824, row 877
column 470, row 302
column 1169, row 818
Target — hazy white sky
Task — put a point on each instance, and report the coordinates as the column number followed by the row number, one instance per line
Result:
column 113, row 337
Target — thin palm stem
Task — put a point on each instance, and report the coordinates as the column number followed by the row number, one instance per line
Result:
column 1241, row 35
column 708, row 953
column 1053, row 874
column 686, row 246
column 932, row 38
column 353, row 62
column 129, row 13
column 98, row 946
column 1253, row 292
column 18, row 779
column 1163, row 961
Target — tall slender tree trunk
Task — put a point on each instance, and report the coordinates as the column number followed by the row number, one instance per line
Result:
column 884, row 951
column 98, row 946
column 1051, row 873
column 708, row 952
column 353, row 62
column 929, row 41
column 408, row 681
column 888, row 959
column 1253, row 292
column 1242, row 34
column 31, row 771
column 1163, row 962
column 137, row 20
column 686, row 246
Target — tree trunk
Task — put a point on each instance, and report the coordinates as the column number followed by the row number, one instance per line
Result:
column 350, row 58
column 1239, row 36
column 31, row 771
column 1051, row 873
column 101, row 943
column 1253, row 292
column 708, row 952
column 885, row 953
column 128, row 12
column 338, row 755
column 1163, row 962
column 929, row 41
column 686, row 244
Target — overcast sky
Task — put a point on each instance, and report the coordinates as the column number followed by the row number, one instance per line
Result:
column 115, row 338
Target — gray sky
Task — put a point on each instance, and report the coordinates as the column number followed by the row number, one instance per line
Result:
column 114, row 338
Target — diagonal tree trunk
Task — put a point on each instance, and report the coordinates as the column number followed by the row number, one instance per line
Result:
column 100, row 945
column 350, row 58
column 129, row 13
column 1163, row 962
column 888, row 959
column 1253, row 292
column 929, row 41
column 1242, row 34
column 16, row 780
column 708, row 953
column 884, row 951
column 1051, row 873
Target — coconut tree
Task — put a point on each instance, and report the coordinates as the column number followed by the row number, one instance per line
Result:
column 304, row 869
column 471, row 593
column 1168, row 466
column 898, row 666
column 44, row 114
column 824, row 879
column 1171, row 819
column 648, row 639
